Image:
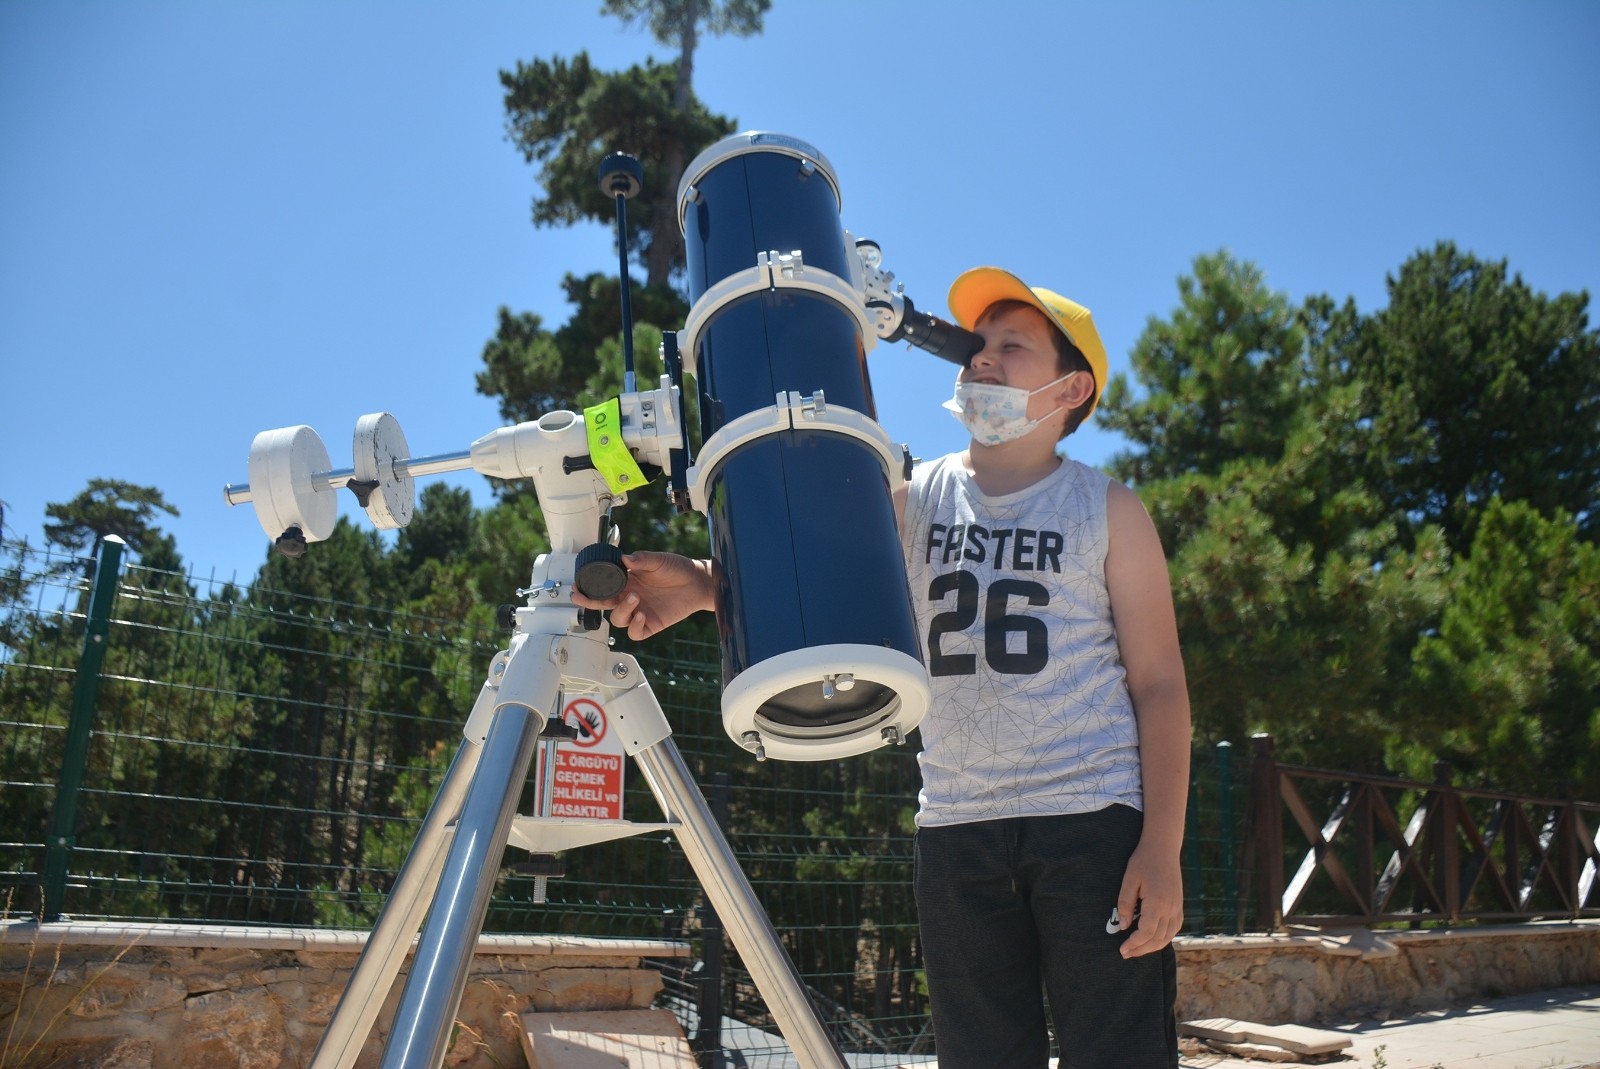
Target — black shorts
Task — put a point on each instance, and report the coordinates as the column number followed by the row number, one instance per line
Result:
column 1013, row 909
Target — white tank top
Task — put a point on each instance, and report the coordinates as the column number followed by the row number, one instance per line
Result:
column 1031, row 712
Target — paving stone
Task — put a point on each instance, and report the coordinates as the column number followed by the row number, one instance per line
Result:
column 1294, row 1038
column 638, row 1039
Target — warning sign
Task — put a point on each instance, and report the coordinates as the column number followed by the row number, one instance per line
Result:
column 589, row 767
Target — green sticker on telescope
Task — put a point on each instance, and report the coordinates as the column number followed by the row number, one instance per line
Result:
column 603, row 424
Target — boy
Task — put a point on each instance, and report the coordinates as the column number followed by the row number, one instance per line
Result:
column 1055, row 754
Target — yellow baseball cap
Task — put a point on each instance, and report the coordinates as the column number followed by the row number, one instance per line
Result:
column 975, row 290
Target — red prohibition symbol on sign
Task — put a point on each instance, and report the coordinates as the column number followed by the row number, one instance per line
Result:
column 589, row 720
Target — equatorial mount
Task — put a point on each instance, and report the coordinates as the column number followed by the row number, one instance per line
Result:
column 294, row 487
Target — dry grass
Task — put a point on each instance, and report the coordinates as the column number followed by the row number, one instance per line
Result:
column 25, row 1033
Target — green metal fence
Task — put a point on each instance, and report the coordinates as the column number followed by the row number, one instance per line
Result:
column 253, row 756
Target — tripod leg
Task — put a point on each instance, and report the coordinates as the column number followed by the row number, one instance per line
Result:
column 402, row 914
column 432, row 992
column 643, row 728
column 735, row 901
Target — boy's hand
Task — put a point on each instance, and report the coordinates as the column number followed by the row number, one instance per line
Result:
column 1152, row 891
column 662, row 588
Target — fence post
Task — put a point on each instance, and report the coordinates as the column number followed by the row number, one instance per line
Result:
column 1194, row 887
column 1447, row 852
column 1266, row 807
column 708, row 1048
column 75, row 757
column 1566, row 840
column 1230, row 878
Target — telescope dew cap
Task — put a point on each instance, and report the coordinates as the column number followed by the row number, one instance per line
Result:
column 975, row 290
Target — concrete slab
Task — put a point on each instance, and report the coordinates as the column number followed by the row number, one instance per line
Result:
column 1293, row 1038
column 605, row 1039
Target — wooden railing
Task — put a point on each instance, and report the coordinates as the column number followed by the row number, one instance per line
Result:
column 1377, row 849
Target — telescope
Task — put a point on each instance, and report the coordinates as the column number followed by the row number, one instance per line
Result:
column 820, row 653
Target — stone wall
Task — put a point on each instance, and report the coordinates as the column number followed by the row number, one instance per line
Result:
column 193, row 996
column 1309, row 977
column 208, row 997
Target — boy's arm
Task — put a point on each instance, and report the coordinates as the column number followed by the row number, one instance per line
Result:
column 664, row 588
column 1147, row 635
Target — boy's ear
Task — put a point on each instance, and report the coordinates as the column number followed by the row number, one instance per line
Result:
column 1076, row 390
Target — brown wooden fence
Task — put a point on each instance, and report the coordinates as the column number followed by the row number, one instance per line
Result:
column 1341, row 849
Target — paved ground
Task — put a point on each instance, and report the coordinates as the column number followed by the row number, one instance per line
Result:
column 1549, row 1030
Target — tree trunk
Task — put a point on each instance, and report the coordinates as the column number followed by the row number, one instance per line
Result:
column 666, row 243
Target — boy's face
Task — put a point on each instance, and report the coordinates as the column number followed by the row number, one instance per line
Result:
column 1019, row 350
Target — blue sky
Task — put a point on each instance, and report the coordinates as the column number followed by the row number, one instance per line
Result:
column 218, row 218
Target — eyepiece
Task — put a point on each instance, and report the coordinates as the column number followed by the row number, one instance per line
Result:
column 944, row 340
